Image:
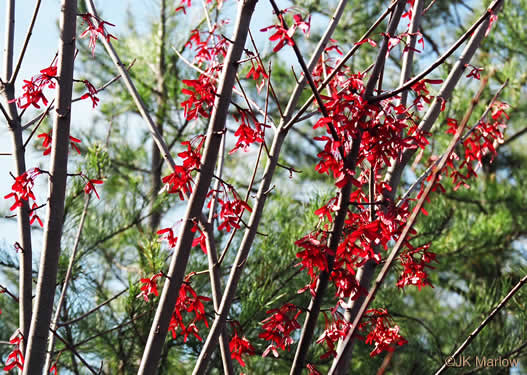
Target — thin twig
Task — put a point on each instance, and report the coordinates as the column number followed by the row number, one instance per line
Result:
column 67, row 277
column 340, row 65
column 461, row 140
column 96, row 308
column 110, row 330
column 491, row 9
column 3, row 289
column 482, row 325
column 42, row 117
column 74, row 351
column 26, row 43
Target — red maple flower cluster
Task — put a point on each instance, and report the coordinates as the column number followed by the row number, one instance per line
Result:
column 383, row 334
column 312, row 370
column 315, row 253
column 422, row 92
column 474, row 71
column 255, row 73
column 184, row 4
column 231, row 207
column 95, row 31
column 180, row 180
column 149, row 286
column 201, row 240
column 92, row 93
column 209, row 51
column 414, row 269
column 16, row 357
column 22, row 190
column 386, row 130
column 90, row 185
column 335, row 330
column 485, row 137
column 279, row 327
column 188, row 302
column 33, row 89
column 168, row 235
column 201, row 96
column 47, row 140
column 285, row 35
column 246, row 134
column 239, row 345
column 479, row 143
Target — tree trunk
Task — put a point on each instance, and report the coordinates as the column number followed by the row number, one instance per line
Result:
column 47, row 278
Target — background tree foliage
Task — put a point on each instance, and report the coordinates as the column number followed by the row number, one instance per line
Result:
column 478, row 233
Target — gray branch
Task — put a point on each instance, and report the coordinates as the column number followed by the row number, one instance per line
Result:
column 46, row 285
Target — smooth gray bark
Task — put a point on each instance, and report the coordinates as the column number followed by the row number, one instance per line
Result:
column 313, row 310
column 25, row 285
column 193, row 213
column 45, row 292
column 254, row 220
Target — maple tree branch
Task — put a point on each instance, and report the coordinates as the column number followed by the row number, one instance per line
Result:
column 214, row 265
column 160, row 116
column 346, row 344
column 181, row 255
column 46, row 285
column 482, row 325
column 426, row 173
column 9, row 41
column 7, row 89
column 67, row 277
column 492, row 9
column 261, row 196
column 310, row 321
column 96, row 308
column 72, row 349
column 298, row 116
